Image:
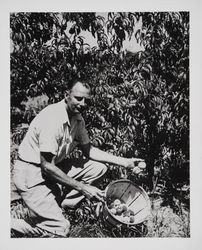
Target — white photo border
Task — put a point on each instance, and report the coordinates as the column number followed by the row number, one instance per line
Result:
column 194, row 7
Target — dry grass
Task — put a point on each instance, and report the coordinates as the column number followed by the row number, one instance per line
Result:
column 163, row 222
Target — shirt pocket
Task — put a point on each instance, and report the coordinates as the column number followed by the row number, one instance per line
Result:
column 71, row 147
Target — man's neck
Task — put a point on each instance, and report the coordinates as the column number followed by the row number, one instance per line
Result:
column 69, row 114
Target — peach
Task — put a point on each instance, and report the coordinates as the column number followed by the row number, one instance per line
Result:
column 113, row 210
column 126, row 219
column 111, row 205
column 117, row 202
column 119, row 210
column 132, row 219
column 131, row 212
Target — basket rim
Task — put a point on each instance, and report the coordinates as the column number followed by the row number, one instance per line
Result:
column 141, row 189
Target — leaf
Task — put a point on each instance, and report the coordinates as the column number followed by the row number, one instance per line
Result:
column 137, row 35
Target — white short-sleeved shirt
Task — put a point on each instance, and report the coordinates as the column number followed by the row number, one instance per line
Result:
column 51, row 131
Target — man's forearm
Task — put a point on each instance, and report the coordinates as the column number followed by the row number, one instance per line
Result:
column 101, row 156
column 59, row 176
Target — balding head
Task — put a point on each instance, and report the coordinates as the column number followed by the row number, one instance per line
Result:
column 76, row 97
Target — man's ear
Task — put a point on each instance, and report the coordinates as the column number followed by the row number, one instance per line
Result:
column 67, row 93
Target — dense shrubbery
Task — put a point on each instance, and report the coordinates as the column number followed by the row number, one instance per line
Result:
column 141, row 100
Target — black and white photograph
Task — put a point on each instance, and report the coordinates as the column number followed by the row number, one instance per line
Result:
column 100, row 124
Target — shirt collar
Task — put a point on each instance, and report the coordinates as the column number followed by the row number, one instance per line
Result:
column 65, row 117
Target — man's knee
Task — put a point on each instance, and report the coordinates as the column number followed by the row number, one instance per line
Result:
column 99, row 168
column 102, row 167
column 61, row 226
column 66, row 226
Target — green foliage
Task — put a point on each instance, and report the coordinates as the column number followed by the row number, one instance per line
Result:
column 85, row 223
column 165, row 37
column 140, row 106
column 33, row 106
column 45, row 54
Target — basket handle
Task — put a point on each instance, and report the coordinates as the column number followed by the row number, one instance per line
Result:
column 134, row 199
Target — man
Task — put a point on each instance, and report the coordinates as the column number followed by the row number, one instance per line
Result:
column 43, row 163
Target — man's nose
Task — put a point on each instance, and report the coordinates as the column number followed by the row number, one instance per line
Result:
column 82, row 103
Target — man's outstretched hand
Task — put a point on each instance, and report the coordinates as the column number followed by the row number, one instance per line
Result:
column 136, row 164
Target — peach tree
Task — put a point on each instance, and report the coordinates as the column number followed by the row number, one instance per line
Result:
column 141, row 100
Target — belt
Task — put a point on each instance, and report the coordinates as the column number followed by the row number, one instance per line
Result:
column 19, row 159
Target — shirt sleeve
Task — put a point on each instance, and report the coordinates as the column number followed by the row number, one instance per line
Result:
column 48, row 139
column 82, row 135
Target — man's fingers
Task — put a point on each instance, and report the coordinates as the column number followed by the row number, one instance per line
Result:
column 100, row 199
column 99, row 195
column 141, row 162
column 138, row 159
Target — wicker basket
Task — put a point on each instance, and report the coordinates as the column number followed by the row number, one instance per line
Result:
column 130, row 194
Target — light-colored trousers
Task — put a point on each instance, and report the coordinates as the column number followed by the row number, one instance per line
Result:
column 43, row 197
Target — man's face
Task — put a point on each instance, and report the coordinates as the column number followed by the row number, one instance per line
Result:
column 76, row 98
